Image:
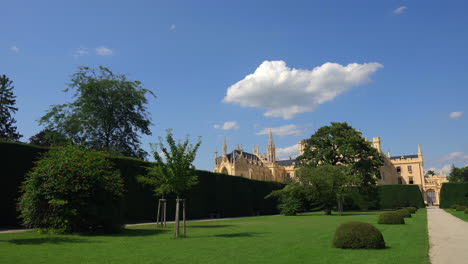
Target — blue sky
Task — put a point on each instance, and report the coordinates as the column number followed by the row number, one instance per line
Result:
column 394, row 69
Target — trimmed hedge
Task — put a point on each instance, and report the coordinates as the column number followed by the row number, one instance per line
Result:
column 460, row 208
column 404, row 213
column 216, row 195
column 466, row 210
column 453, row 193
column 391, row 218
column 412, row 210
column 358, row 235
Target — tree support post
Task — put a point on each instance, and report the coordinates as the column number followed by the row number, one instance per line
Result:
column 177, row 218
column 183, row 216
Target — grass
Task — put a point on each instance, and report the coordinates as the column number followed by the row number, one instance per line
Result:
column 459, row 214
column 266, row 239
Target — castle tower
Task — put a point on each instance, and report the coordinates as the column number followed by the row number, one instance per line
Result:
column 376, row 143
column 224, row 148
column 271, row 152
column 419, row 151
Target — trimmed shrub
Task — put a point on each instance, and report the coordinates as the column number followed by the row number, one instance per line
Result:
column 405, row 213
column 460, row 208
column 72, row 190
column 454, row 206
column 466, row 210
column 453, row 193
column 358, row 235
column 412, row 210
column 391, row 218
column 398, row 195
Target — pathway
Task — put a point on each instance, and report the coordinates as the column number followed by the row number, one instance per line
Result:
column 448, row 237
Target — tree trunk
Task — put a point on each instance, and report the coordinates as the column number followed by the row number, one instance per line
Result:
column 164, row 213
column 327, row 210
column 177, row 218
column 340, row 206
column 157, row 215
column 183, row 216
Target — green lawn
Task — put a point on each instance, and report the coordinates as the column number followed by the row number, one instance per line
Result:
column 267, row 239
column 459, row 214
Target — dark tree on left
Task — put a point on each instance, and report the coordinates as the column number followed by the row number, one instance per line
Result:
column 7, row 109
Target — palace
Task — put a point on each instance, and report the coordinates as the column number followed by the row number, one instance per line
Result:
column 405, row 169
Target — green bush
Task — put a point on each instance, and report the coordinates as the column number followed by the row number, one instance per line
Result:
column 358, row 235
column 460, row 208
column 412, row 210
column 454, row 206
column 453, row 193
column 391, row 218
column 72, row 190
column 398, row 195
column 466, row 210
column 405, row 213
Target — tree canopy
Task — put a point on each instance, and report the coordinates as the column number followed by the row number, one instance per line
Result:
column 108, row 113
column 458, row 174
column 7, row 109
column 341, row 144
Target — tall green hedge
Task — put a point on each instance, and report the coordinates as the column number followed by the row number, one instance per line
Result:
column 215, row 195
column 453, row 193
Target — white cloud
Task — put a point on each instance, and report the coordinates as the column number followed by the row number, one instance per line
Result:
column 81, row 52
column 446, row 169
column 14, row 49
column 229, row 125
column 454, row 156
column 399, row 10
column 285, row 153
column 103, row 51
column 455, row 115
column 285, row 92
column 172, row 27
column 283, row 130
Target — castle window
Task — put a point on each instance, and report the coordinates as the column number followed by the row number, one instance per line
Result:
column 400, row 181
column 398, row 169
column 410, row 169
column 411, row 180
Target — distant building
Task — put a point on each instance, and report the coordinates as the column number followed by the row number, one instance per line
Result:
column 405, row 169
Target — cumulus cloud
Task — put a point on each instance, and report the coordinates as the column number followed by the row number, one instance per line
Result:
column 172, row 27
column 229, row 125
column 81, row 52
column 285, row 92
column 455, row 115
column 14, row 49
column 283, row 130
column 285, row 153
column 399, row 10
column 103, row 51
column 454, row 156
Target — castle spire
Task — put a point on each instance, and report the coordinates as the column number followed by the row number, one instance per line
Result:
column 271, row 152
column 419, row 150
column 224, row 148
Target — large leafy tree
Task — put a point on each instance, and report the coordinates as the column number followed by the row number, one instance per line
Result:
column 7, row 109
column 173, row 171
column 458, row 174
column 341, row 144
column 47, row 138
column 108, row 113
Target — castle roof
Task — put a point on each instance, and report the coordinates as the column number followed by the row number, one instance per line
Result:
column 404, row 157
column 286, row 163
column 235, row 155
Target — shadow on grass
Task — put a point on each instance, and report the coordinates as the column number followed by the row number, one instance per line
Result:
column 243, row 234
column 136, row 232
column 209, row 226
column 48, row 240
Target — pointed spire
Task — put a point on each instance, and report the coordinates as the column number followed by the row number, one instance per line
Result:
column 270, row 139
column 271, row 152
column 224, row 147
column 419, row 150
column 388, row 154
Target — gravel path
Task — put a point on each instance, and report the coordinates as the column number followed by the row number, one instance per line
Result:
column 448, row 237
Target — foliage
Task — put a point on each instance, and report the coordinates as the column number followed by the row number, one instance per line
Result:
column 458, row 174
column 466, row 210
column 7, row 108
column 356, row 235
column 430, row 172
column 292, row 199
column 460, row 208
column 404, row 213
column 412, row 210
column 398, row 195
column 341, row 144
column 108, row 112
column 175, row 173
column 72, row 190
column 326, row 184
column 454, row 206
column 453, row 193
column 391, row 218
column 47, row 138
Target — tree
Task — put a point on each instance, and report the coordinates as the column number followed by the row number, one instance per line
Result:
column 327, row 184
column 341, row 144
column 292, row 199
column 7, row 108
column 458, row 174
column 72, row 190
column 173, row 171
column 107, row 114
column 430, row 172
column 47, row 138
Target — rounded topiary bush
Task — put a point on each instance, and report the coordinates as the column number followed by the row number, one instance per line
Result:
column 405, row 213
column 72, row 190
column 466, row 210
column 358, row 235
column 460, row 208
column 454, row 206
column 391, row 218
column 412, row 210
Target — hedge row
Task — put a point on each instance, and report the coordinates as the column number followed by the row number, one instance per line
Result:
column 453, row 193
column 216, row 195
column 386, row 197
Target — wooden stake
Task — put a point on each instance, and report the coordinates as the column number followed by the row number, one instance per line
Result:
column 177, row 218
column 183, row 208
